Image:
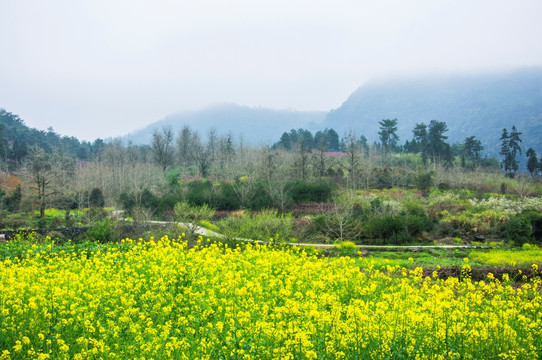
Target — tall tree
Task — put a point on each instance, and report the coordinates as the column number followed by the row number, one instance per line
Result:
column 388, row 134
column 303, row 151
column 352, row 149
column 162, row 147
column 201, row 155
column 509, row 150
column 471, row 152
column 184, row 145
column 532, row 163
column 40, row 168
column 421, row 140
column 437, row 146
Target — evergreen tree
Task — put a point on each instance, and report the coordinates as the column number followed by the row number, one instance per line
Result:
column 509, row 150
column 387, row 133
column 96, row 198
column 532, row 163
column 471, row 152
column 437, row 147
column 420, row 138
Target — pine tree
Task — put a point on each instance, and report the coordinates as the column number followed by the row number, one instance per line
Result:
column 532, row 163
column 420, row 137
column 509, row 150
column 387, row 134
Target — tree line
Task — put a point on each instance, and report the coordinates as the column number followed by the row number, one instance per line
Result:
column 232, row 174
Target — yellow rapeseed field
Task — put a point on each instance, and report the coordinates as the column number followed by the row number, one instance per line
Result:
column 160, row 300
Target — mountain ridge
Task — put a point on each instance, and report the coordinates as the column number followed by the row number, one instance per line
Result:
column 479, row 104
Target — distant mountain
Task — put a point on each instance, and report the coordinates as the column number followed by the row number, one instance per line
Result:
column 480, row 105
column 256, row 125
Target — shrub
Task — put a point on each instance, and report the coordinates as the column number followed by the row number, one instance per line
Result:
column 347, row 248
column 102, row 230
column 191, row 216
column 56, row 222
column 424, row 180
column 302, row 191
column 519, row 229
column 96, row 198
column 387, row 228
column 264, row 225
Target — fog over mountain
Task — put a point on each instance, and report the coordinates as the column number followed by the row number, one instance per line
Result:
column 255, row 125
column 470, row 104
column 473, row 104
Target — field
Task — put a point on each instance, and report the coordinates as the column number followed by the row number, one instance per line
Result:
column 161, row 299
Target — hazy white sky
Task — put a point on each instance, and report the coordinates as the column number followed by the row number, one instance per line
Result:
column 102, row 68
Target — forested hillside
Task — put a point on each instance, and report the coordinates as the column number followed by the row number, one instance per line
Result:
column 16, row 139
column 480, row 105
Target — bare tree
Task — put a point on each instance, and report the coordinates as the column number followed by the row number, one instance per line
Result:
column 40, row 169
column 51, row 176
column 201, row 155
column 352, row 149
column 162, row 147
column 339, row 222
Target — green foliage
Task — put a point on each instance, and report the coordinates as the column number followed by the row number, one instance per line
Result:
column 519, row 229
column 303, row 191
column 389, row 229
column 103, row 231
column 190, row 216
column 424, row 180
column 347, row 248
column 264, row 225
column 56, row 222
column 96, row 198
column 209, row 226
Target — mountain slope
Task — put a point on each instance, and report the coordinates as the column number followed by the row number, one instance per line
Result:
column 256, row 125
column 480, row 105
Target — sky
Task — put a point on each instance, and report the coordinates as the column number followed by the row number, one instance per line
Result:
column 104, row 68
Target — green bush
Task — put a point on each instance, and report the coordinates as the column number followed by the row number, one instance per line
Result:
column 264, row 225
column 102, row 230
column 96, row 198
column 390, row 229
column 535, row 217
column 303, row 192
column 56, row 222
column 424, row 180
column 347, row 248
column 190, row 216
column 519, row 229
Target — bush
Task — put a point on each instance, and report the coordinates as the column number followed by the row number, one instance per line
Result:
column 56, row 222
column 424, row 180
column 96, row 198
column 519, row 229
column 347, row 248
column 303, row 192
column 264, row 225
column 387, row 228
column 535, row 217
column 103, row 231
column 191, row 216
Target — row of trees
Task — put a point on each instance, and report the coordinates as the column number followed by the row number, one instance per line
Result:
column 55, row 177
